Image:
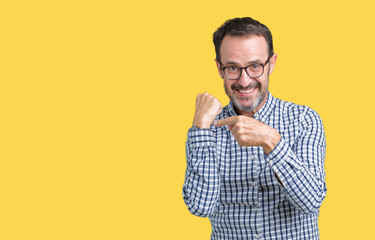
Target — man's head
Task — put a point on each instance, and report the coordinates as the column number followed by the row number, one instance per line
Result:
column 241, row 43
column 242, row 27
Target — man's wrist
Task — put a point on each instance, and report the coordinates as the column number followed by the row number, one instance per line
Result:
column 202, row 127
column 202, row 124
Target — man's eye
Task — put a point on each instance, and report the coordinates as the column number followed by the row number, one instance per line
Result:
column 255, row 67
column 232, row 68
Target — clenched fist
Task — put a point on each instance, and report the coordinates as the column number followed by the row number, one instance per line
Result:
column 207, row 107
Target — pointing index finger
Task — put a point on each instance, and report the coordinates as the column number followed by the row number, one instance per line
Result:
column 226, row 121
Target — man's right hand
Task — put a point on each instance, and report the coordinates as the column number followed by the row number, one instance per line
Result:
column 206, row 109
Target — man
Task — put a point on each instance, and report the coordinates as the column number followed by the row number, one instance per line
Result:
column 256, row 166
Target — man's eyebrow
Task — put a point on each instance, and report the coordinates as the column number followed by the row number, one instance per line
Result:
column 248, row 63
column 231, row 63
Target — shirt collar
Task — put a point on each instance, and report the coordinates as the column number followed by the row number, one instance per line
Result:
column 263, row 113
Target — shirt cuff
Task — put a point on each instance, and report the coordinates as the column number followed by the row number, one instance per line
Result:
column 201, row 137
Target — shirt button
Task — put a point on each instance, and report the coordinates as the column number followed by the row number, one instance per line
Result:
column 253, row 184
column 257, row 236
column 271, row 162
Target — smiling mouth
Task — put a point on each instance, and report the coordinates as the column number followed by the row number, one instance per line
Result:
column 247, row 91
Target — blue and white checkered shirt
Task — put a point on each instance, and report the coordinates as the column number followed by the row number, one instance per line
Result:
column 236, row 187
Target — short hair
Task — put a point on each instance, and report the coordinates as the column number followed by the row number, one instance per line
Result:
column 241, row 27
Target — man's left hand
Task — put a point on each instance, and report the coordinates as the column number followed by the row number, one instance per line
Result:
column 249, row 132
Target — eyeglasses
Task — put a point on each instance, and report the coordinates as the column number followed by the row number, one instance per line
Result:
column 254, row 70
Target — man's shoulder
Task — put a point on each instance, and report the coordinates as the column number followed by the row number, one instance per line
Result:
column 288, row 107
column 291, row 110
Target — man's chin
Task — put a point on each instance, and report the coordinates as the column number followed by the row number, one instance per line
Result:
column 244, row 105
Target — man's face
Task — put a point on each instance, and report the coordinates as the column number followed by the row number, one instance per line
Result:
column 247, row 94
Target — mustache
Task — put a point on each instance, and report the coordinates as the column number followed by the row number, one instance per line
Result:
column 236, row 86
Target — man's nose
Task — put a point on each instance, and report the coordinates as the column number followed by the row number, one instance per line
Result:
column 244, row 80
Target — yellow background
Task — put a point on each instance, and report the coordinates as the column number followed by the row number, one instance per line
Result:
column 97, row 97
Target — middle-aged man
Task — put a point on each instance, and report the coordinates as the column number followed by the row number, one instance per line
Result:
column 256, row 166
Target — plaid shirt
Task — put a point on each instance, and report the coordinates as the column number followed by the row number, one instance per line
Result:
column 236, row 186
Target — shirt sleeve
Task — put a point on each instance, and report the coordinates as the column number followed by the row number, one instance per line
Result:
column 300, row 167
column 202, row 179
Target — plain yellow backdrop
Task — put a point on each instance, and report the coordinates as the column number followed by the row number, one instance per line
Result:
column 97, row 97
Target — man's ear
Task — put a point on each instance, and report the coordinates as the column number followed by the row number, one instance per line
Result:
column 273, row 62
column 219, row 69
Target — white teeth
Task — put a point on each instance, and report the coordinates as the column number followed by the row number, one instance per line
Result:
column 247, row 91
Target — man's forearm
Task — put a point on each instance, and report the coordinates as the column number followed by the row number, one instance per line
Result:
column 300, row 169
column 202, row 180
